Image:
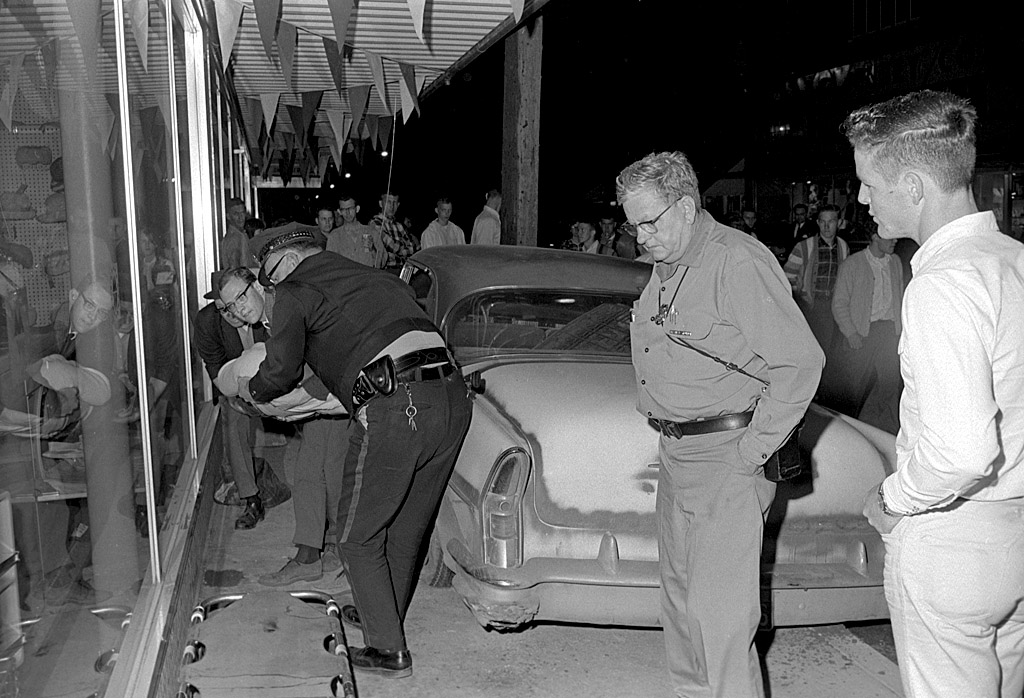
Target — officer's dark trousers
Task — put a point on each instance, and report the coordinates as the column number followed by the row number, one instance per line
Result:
column 394, row 476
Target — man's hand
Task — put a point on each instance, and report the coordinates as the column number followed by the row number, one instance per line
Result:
column 882, row 522
column 243, row 390
column 855, row 341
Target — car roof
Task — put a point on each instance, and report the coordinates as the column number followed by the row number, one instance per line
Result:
column 462, row 269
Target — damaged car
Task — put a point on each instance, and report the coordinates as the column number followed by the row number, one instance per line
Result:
column 550, row 512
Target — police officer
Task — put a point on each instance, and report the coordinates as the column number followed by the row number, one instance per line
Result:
column 362, row 333
column 716, row 297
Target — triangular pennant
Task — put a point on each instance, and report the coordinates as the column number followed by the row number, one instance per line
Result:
column 139, row 13
column 339, row 124
column 229, row 13
column 517, row 9
column 334, row 62
column 163, row 101
column 253, row 115
column 384, row 131
column 371, row 127
column 321, row 164
column 285, row 166
column 364, row 132
column 267, row 14
column 287, row 40
column 377, row 68
column 295, row 115
column 34, row 71
column 335, row 154
column 48, row 52
column 357, row 98
column 421, row 79
column 310, row 103
column 408, row 87
column 341, row 11
column 11, row 90
column 269, row 102
column 86, row 18
column 416, row 10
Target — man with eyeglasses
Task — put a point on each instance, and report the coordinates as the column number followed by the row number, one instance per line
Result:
column 90, row 305
column 363, row 334
column 315, row 490
column 351, row 238
column 717, row 299
column 221, row 336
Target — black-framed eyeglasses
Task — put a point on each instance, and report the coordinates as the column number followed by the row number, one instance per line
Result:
column 650, row 227
column 92, row 306
column 233, row 305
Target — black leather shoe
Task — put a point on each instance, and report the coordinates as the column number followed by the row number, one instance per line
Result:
column 350, row 615
column 390, row 665
column 252, row 515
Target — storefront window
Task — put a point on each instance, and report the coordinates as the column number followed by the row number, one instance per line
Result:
column 97, row 280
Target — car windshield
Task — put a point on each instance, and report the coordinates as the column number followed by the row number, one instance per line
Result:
column 506, row 321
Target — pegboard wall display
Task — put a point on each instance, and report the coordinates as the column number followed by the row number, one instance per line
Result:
column 31, row 214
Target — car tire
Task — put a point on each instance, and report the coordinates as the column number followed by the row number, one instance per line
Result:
column 435, row 573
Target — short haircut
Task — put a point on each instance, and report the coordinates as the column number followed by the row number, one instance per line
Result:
column 100, row 280
column 669, row 173
column 346, row 196
column 325, row 207
column 928, row 130
column 241, row 273
column 803, row 206
column 252, row 225
column 829, row 207
column 443, row 200
column 491, row 194
column 234, row 202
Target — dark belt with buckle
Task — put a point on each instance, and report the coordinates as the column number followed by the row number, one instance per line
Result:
column 726, row 422
column 408, row 367
column 382, row 376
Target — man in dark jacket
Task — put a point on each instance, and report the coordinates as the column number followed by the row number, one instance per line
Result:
column 218, row 340
column 362, row 333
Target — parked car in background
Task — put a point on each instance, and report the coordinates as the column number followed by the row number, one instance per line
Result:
column 550, row 512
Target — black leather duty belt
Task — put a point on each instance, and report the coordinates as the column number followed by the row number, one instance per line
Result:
column 726, row 422
column 408, row 367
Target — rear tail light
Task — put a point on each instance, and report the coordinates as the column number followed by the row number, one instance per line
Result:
column 502, row 509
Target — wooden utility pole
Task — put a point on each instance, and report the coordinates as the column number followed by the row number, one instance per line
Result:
column 520, row 161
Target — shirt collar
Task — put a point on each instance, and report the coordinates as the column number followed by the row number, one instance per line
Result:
column 703, row 223
column 963, row 227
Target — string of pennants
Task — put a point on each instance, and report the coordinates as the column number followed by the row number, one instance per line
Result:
column 87, row 20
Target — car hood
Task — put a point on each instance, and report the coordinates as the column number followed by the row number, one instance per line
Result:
column 595, row 456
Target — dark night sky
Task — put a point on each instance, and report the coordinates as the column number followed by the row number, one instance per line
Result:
column 655, row 75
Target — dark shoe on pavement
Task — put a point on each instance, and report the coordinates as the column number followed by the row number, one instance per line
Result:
column 350, row 615
column 293, row 571
column 331, row 558
column 252, row 515
column 390, row 665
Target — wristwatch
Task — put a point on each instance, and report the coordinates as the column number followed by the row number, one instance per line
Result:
column 881, row 501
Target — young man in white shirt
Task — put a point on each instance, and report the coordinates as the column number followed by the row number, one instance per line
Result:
column 441, row 230
column 951, row 515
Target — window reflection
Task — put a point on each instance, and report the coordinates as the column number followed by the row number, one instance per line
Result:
column 94, row 426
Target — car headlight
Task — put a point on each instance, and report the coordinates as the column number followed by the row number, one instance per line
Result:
column 501, row 511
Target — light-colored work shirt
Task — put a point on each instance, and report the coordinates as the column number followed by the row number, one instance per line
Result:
column 728, row 297
column 355, row 241
column 962, row 359
column 487, row 228
column 436, row 235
